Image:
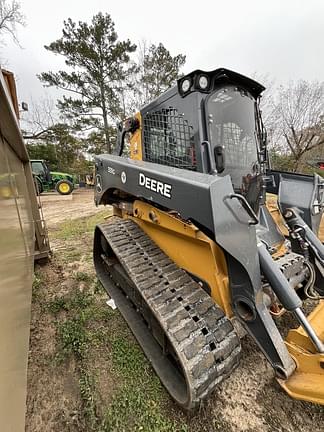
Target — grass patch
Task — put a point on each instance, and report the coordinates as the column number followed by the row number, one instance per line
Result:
column 128, row 359
column 87, row 391
column 134, row 410
column 83, row 277
column 75, row 228
column 37, row 292
column 98, row 287
column 38, row 280
column 73, row 338
column 57, row 305
column 76, row 302
column 73, row 334
column 139, row 404
column 70, row 255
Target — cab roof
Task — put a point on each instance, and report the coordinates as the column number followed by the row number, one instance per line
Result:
column 224, row 76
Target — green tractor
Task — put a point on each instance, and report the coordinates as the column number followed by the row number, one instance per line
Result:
column 47, row 180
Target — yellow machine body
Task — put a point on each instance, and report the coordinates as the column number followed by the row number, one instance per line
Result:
column 188, row 247
column 135, row 141
column 307, row 382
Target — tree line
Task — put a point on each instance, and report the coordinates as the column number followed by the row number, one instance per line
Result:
column 106, row 79
column 294, row 117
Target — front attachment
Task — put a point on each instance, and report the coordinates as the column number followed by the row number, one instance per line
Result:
column 307, row 382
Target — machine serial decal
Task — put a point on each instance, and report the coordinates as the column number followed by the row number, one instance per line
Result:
column 111, row 170
column 159, row 187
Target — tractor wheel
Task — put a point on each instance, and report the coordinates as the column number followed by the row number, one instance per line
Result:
column 64, row 187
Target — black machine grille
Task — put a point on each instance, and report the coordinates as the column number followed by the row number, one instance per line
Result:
column 168, row 139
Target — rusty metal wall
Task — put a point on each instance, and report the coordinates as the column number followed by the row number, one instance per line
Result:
column 17, row 238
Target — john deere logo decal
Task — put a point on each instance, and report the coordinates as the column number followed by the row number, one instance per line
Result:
column 123, row 177
column 154, row 185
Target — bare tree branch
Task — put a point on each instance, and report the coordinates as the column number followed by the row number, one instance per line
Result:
column 297, row 120
column 10, row 16
column 40, row 118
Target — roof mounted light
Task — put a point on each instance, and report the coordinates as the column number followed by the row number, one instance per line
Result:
column 185, row 85
column 203, row 82
column 198, row 82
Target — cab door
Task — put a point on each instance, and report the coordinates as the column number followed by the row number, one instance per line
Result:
column 231, row 126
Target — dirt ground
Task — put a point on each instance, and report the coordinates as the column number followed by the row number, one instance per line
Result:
column 86, row 372
column 79, row 204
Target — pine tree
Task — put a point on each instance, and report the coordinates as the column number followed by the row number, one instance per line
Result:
column 157, row 70
column 97, row 65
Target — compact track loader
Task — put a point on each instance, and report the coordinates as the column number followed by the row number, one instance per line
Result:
column 192, row 255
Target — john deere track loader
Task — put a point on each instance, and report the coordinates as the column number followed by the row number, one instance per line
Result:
column 192, row 255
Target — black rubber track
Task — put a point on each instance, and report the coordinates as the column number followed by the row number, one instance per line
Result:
column 190, row 343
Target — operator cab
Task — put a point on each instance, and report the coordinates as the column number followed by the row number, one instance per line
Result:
column 210, row 122
column 41, row 169
column 232, row 126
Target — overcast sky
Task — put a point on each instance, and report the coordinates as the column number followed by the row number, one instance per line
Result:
column 280, row 38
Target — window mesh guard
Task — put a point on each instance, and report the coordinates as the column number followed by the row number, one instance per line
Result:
column 168, row 139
